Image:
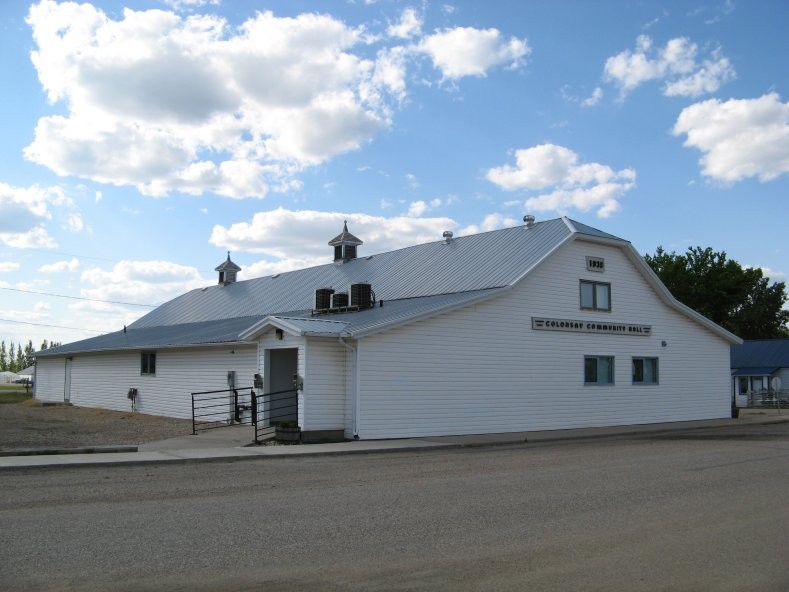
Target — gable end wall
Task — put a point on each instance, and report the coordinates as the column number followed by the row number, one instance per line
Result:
column 482, row 369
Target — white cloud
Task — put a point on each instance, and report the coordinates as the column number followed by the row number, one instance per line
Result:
column 410, row 24
column 150, row 95
column 180, row 4
column 390, row 71
column 590, row 101
column 706, row 79
column 143, row 282
column 417, row 209
column 490, row 222
column 465, row 51
column 35, row 238
column 594, row 98
column 584, row 186
column 166, row 102
column 676, row 63
column 8, row 266
column 59, row 266
column 739, row 138
column 296, row 239
column 74, row 223
column 772, row 274
column 22, row 208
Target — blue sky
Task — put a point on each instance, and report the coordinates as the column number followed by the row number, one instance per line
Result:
column 143, row 140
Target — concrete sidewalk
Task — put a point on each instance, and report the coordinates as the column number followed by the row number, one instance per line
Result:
column 233, row 443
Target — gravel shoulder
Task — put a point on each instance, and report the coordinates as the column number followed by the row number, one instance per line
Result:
column 30, row 425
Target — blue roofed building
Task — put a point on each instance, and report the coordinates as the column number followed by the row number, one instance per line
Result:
column 760, row 369
column 548, row 325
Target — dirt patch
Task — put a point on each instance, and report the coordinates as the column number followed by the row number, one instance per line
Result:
column 33, row 425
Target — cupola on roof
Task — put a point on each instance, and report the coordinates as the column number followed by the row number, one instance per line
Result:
column 227, row 271
column 345, row 244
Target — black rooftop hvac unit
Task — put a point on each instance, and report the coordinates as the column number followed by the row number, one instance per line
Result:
column 362, row 295
column 339, row 300
column 323, row 298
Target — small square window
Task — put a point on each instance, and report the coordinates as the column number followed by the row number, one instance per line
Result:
column 598, row 370
column 148, row 363
column 645, row 370
column 595, row 295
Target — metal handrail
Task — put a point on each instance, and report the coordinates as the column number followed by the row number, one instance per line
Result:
column 270, row 410
column 207, row 414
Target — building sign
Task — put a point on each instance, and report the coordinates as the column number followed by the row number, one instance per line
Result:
column 543, row 324
column 595, row 264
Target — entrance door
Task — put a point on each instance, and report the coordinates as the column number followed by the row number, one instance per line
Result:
column 67, row 382
column 281, row 365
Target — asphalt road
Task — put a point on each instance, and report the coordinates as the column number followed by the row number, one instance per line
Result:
column 694, row 511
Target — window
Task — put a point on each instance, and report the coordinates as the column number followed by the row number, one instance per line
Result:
column 598, row 370
column 645, row 370
column 148, row 363
column 595, row 295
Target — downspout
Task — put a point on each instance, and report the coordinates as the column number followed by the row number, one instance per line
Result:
column 354, row 388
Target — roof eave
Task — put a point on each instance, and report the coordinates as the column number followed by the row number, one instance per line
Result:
column 128, row 348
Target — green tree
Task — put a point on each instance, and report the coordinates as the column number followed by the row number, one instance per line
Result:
column 28, row 354
column 19, row 363
column 11, row 357
column 3, row 357
column 739, row 299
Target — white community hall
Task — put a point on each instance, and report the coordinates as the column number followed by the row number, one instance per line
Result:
column 548, row 325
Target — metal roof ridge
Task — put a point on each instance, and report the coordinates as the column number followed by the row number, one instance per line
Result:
column 570, row 225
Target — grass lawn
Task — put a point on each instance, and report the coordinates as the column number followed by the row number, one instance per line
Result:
column 14, row 393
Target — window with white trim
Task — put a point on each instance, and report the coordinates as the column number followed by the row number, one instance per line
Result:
column 148, row 363
column 598, row 370
column 645, row 370
column 595, row 295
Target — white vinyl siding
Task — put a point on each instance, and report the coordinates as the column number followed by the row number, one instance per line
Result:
column 103, row 380
column 49, row 384
column 482, row 369
column 324, row 385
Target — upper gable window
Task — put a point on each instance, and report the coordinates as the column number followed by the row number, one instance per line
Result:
column 595, row 295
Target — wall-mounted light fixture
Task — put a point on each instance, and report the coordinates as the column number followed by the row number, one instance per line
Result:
column 280, row 333
column 663, row 343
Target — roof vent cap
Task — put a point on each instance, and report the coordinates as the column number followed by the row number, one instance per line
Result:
column 528, row 220
column 447, row 236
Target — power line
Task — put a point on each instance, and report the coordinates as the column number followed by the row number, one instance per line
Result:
column 78, row 297
column 51, row 326
column 51, row 252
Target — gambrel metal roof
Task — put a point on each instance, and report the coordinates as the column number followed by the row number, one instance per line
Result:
column 467, row 263
column 413, row 283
